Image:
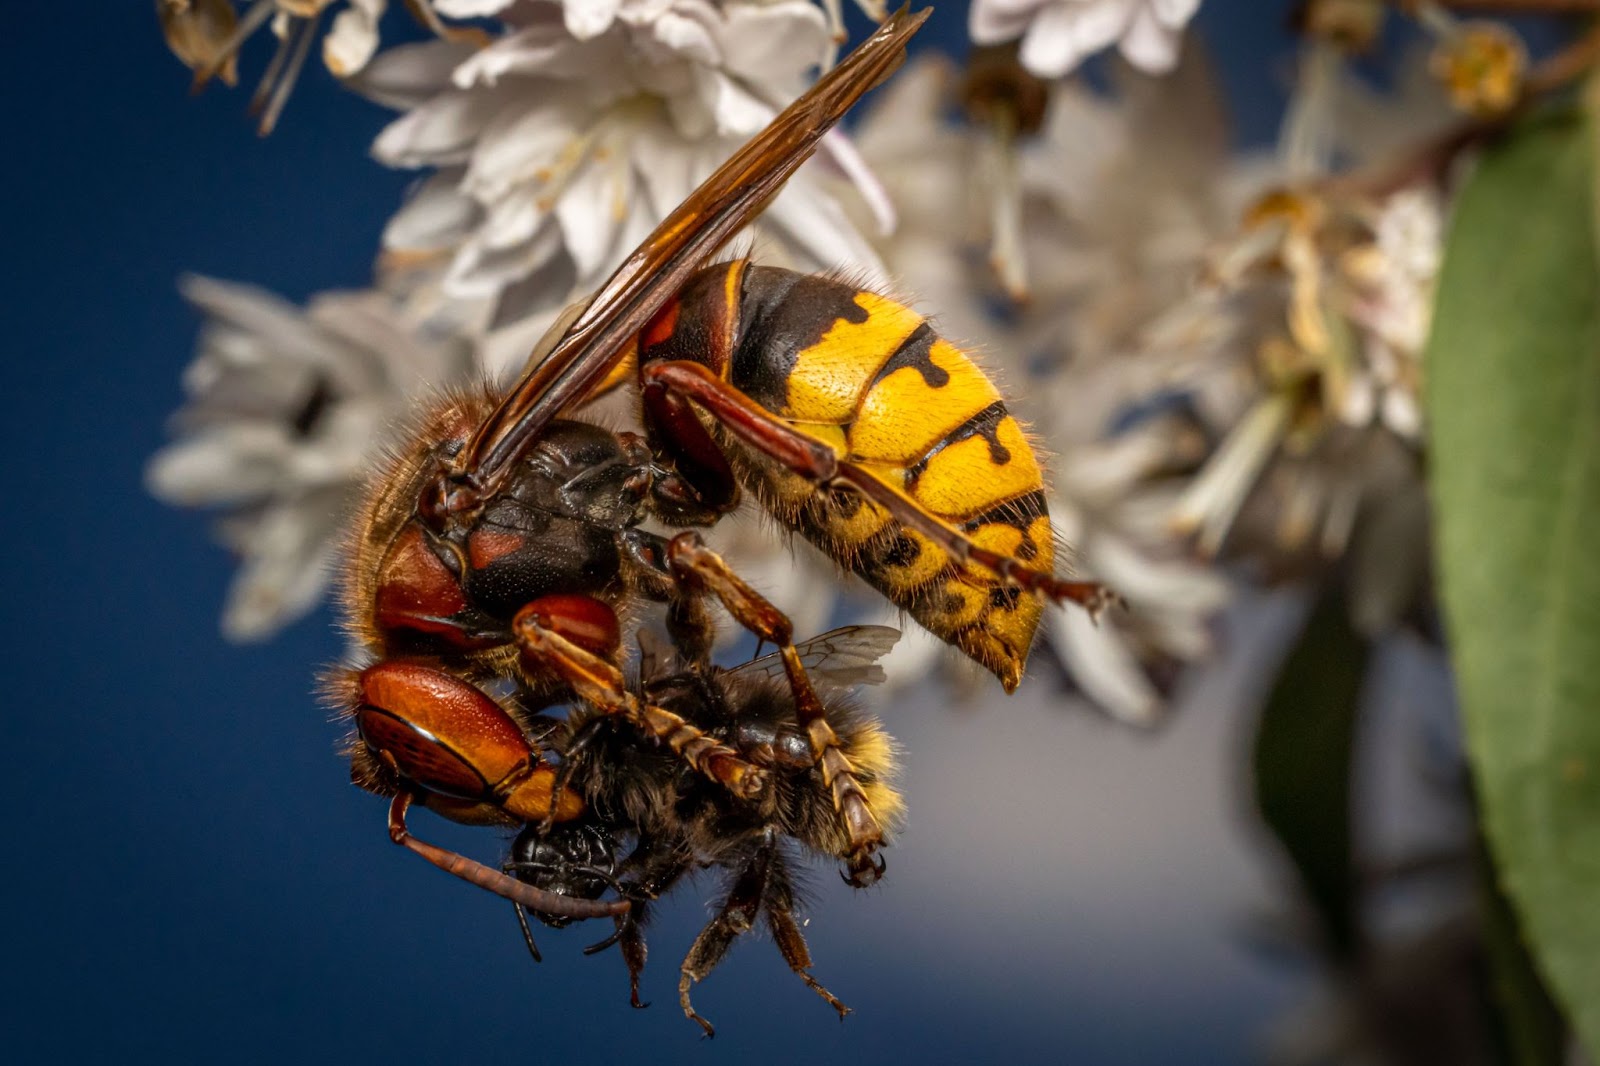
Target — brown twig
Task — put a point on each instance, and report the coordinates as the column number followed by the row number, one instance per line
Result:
column 1507, row 7
column 1433, row 157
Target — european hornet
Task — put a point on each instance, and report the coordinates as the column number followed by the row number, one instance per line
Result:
column 499, row 547
column 649, row 821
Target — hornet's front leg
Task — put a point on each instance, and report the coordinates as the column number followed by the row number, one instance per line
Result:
column 699, row 569
column 549, row 642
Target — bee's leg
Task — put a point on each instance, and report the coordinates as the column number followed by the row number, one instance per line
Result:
column 771, row 436
column 786, row 931
column 574, row 752
column 735, row 918
column 698, row 567
column 630, row 934
column 655, row 866
column 527, row 931
column 600, row 684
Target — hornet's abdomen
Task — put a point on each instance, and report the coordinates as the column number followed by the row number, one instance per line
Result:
column 870, row 378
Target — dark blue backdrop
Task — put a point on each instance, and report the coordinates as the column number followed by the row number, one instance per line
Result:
column 189, row 874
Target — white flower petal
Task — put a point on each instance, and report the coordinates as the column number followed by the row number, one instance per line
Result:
column 1103, row 667
column 773, row 44
column 1069, row 31
column 247, row 308
column 438, row 133
column 523, row 148
column 668, row 172
column 738, row 113
column 353, row 37
column 590, row 18
column 481, row 270
column 587, row 216
column 409, row 75
column 837, row 149
column 436, row 216
column 470, row 9
column 1174, row 13
column 542, row 50
column 288, row 568
column 993, row 21
column 689, row 36
column 1150, row 44
column 818, row 227
column 228, row 464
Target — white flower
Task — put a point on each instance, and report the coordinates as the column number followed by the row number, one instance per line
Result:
column 353, row 37
column 1058, row 35
column 285, row 411
column 558, row 150
column 1301, row 354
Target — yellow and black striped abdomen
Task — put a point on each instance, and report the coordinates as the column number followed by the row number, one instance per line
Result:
column 870, row 377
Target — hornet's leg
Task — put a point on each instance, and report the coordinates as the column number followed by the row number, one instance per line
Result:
column 771, row 436
column 698, row 567
column 600, row 684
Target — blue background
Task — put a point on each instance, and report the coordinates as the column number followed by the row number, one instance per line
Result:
column 191, row 877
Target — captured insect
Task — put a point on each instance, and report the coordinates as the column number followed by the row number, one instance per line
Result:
column 499, row 546
column 649, row 821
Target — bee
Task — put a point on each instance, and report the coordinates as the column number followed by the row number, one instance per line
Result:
column 649, row 820
column 500, row 548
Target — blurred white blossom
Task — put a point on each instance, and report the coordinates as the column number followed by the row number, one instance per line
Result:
column 559, row 146
column 1058, row 35
column 285, row 411
column 1301, row 347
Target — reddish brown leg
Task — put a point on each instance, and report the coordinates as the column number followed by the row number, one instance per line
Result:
column 699, row 568
column 493, row 880
column 791, row 945
column 762, row 885
column 601, row 685
column 786, row 935
column 770, row 435
column 701, row 474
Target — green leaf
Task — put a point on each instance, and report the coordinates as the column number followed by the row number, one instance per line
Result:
column 1303, row 753
column 1513, row 371
column 1526, row 1025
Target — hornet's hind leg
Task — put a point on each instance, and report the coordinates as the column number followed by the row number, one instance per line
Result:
column 768, row 434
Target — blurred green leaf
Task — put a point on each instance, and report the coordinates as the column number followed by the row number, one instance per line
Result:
column 1513, row 372
column 1526, row 1023
column 1302, row 764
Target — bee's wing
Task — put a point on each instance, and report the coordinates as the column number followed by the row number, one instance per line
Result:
column 835, row 661
column 723, row 205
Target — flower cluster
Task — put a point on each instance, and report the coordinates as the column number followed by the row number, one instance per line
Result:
column 286, row 412
column 546, row 175
column 1220, row 351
